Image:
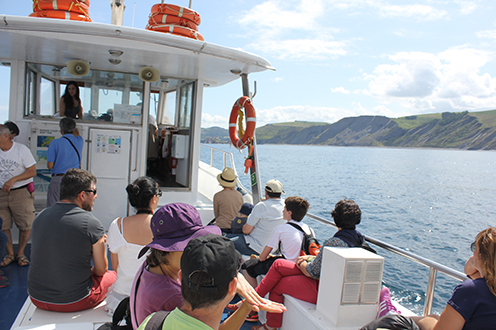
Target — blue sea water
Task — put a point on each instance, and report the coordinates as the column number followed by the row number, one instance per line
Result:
column 431, row 202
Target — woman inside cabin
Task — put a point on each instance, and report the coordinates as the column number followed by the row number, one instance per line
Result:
column 473, row 302
column 70, row 103
column 300, row 279
column 128, row 235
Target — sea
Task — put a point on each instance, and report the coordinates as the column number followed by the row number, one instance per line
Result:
column 431, row 202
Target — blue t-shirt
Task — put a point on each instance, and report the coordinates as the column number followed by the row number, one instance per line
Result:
column 62, row 154
column 476, row 304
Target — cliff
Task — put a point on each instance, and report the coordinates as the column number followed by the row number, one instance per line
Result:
column 463, row 130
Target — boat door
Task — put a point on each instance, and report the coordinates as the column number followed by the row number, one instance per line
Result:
column 109, row 157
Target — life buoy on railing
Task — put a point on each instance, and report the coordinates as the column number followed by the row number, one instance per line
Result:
column 177, row 30
column 183, row 12
column 159, row 19
column 245, row 137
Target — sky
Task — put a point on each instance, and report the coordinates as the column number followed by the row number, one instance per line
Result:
column 339, row 58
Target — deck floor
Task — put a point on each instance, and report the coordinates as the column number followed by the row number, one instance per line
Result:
column 13, row 297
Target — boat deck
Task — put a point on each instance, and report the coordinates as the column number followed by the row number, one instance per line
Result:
column 13, row 297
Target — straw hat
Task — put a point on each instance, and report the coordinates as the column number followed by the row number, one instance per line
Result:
column 227, row 178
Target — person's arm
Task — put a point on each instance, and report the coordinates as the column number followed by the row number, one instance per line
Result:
column 62, row 107
column 450, row 319
column 247, row 229
column 49, row 165
column 114, row 258
column 99, row 257
column 27, row 174
column 236, row 320
column 245, row 290
column 470, row 270
column 302, row 264
column 80, row 114
column 216, row 206
column 265, row 253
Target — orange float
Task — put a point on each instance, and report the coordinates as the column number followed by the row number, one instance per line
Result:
column 160, row 19
column 61, row 14
column 74, row 6
column 177, row 30
column 174, row 10
column 242, row 102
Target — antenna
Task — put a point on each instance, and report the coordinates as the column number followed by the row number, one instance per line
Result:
column 134, row 10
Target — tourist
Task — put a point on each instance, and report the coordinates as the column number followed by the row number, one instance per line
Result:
column 265, row 216
column 228, row 201
column 17, row 169
column 67, row 240
column 63, row 153
column 128, row 235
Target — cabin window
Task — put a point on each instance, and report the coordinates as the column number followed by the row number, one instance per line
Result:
column 47, row 96
column 30, row 92
column 5, row 86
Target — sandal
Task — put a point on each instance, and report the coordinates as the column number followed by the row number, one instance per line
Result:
column 7, row 260
column 22, row 260
column 260, row 327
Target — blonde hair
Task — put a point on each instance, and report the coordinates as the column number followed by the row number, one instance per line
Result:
column 486, row 245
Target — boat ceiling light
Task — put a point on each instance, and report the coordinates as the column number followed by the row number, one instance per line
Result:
column 236, row 71
column 115, row 61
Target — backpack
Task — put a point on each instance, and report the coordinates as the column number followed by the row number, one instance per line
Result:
column 309, row 245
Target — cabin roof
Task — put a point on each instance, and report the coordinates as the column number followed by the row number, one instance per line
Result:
column 56, row 42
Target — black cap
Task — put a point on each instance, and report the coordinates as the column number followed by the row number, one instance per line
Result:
column 213, row 255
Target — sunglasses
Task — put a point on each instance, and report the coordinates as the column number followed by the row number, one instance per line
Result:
column 473, row 246
column 90, row 191
column 159, row 193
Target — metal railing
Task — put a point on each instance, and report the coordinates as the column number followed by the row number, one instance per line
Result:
column 433, row 266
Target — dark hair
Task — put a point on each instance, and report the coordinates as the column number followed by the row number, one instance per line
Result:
column 67, row 125
column 141, row 191
column 74, row 181
column 69, row 102
column 346, row 214
column 14, row 129
column 156, row 257
column 273, row 194
column 198, row 299
column 298, row 207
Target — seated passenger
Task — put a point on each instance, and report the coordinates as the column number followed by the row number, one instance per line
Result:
column 66, row 238
column 228, row 201
column 209, row 280
column 285, row 238
column 300, row 279
column 265, row 216
column 127, row 236
column 238, row 222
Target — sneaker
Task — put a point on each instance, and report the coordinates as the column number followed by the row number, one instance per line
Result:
column 4, row 281
column 386, row 306
column 252, row 317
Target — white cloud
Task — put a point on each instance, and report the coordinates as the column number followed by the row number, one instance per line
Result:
column 281, row 114
column 210, row 121
column 341, row 90
column 417, row 11
column 450, row 80
column 466, row 7
column 487, row 34
column 278, row 79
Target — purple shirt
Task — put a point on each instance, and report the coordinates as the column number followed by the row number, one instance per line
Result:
column 155, row 293
column 476, row 304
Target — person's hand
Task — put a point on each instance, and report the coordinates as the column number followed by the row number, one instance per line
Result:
column 470, row 270
column 105, row 238
column 245, row 290
column 8, row 185
column 301, row 259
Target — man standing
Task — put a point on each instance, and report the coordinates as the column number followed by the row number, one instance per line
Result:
column 17, row 169
column 66, row 238
column 63, row 153
column 265, row 216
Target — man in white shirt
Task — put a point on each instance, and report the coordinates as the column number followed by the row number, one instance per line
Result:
column 265, row 216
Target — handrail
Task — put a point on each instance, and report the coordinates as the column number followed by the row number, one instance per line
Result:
column 434, row 267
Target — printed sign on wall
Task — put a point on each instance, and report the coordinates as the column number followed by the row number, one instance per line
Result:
column 108, row 144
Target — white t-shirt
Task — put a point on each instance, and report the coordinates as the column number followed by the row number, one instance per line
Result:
column 290, row 239
column 265, row 216
column 15, row 161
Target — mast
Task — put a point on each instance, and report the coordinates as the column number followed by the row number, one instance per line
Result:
column 117, row 11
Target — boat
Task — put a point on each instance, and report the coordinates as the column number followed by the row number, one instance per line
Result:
column 142, row 97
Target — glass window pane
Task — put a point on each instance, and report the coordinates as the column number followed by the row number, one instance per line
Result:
column 5, row 88
column 47, row 97
column 186, row 105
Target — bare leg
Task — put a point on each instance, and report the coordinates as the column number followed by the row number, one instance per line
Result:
column 425, row 322
column 23, row 241
column 9, row 247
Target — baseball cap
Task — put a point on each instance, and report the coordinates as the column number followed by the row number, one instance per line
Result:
column 274, row 186
column 213, row 255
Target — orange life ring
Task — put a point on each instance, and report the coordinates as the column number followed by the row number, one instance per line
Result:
column 183, row 12
column 159, row 19
column 61, row 14
column 177, row 30
column 251, row 121
column 74, row 6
